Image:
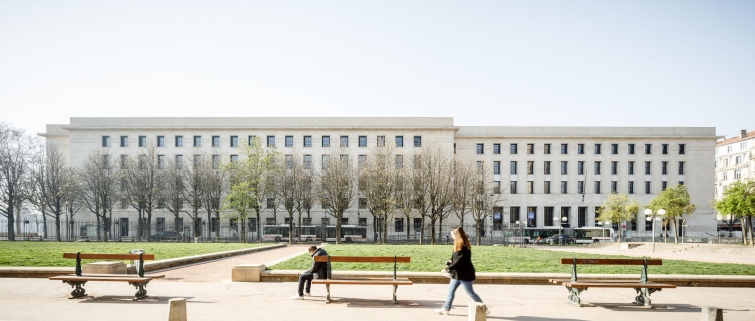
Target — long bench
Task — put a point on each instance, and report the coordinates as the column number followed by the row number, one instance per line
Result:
column 77, row 280
column 363, row 281
column 643, row 287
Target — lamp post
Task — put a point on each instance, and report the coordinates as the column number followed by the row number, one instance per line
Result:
column 650, row 216
column 26, row 228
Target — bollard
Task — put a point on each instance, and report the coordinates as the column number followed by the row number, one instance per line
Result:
column 177, row 309
column 477, row 312
column 712, row 314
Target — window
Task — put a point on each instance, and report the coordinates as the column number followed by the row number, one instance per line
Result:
column 496, row 167
column 307, row 161
column 345, row 159
column 252, row 139
column 664, row 149
column 325, row 141
column 647, row 168
column 581, row 168
column 344, row 141
column 325, row 161
column 234, row 141
column 124, row 161
column 399, row 225
column 307, row 141
column 514, row 215
column 270, row 141
column 737, row 160
column 682, row 148
column 531, row 216
column 548, row 216
column 681, row 168
column 512, row 167
column 105, row 141
column 179, row 161
column 399, row 141
column 289, row 141
column 513, row 149
column 289, row 161
column 399, row 161
column 664, row 184
column 381, row 141
column 580, row 187
column 271, row 204
column 496, row 149
column 614, row 168
column 564, row 149
column 546, row 149
column 197, row 141
column 597, row 187
column 580, row 149
column 630, row 149
column 530, row 149
column 564, row 190
column 362, row 141
column 124, row 203
column 361, row 159
column 630, row 168
column 581, row 216
column 197, row 160
column 614, row 187
column 647, row 187
column 179, row 141
column 480, row 149
column 215, row 161
column 417, row 141
column 234, row 159
column 648, row 149
column 497, row 218
column 547, row 187
column 664, row 168
column 479, row 166
column 630, row 187
column 530, row 187
column 547, row 167
column 142, row 141
column 597, row 149
column 160, row 141
column 512, row 187
column 563, row 167
column 124, row 141
column 496, row 187
column 614, row 149
column 597, row 168
column 530, row 167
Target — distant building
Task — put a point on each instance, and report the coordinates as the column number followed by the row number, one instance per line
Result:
column 543, row 172
column 734, row 161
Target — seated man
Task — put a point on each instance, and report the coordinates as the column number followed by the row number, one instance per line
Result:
column 318, row 268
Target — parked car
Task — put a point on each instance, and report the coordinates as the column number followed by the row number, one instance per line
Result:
column 165, row 236
column 559, row 239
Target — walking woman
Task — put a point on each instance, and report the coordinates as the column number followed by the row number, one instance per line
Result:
column 461, row 270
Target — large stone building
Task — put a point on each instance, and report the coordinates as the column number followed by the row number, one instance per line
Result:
column 734, row 161
column 543, row 172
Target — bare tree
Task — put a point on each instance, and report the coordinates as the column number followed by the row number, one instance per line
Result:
column 194, row 180
column 432, row 183
column 337, row 186
column 54, row 185
column 292, row 184
column 172, row 191
column 484, row 199
column 99, row 189
column 215, row 188
column 15, row 167
column 405, row 196
column 378, row 179
column 463, row 187
column 142, row 186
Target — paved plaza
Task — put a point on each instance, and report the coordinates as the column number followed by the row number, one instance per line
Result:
column 212, row 296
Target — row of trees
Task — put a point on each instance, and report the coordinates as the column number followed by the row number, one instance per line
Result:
column 738, row 202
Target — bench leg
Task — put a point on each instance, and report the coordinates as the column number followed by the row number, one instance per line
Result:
column 643, row 296
column 395, row 287
column 78, row 290
column 141, row 292
column 574, row 294
column 327, row 288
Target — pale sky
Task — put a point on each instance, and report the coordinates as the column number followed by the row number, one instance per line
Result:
column 490, row 63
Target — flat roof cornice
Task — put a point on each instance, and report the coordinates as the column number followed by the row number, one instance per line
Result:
column 238, row 123
column 574, row 132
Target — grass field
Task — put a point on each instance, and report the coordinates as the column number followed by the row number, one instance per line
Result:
column 51, row 253
column 428, row 258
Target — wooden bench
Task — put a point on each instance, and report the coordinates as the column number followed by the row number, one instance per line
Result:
column 77, row 280
column 643, row 288
column 363, row 281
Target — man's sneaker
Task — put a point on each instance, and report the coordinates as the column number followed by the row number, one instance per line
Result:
column 307, row 294
column 441, row 311
column 296, row 297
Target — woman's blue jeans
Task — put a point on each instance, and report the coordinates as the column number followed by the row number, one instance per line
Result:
column 453, row 285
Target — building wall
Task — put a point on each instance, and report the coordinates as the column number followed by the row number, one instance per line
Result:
column 734, row 161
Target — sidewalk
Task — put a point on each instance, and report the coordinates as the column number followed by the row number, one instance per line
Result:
column 700, row 252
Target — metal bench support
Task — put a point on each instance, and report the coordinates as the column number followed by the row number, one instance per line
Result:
column 78, row 290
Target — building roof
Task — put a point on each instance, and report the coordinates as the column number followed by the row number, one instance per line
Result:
column 727, row 141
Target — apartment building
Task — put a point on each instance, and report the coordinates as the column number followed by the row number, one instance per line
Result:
column 734, row 161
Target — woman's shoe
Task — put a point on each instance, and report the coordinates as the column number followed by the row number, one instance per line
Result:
column 441, row 311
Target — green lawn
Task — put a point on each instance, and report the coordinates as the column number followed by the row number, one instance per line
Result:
column 428, row 258
column 51, row 253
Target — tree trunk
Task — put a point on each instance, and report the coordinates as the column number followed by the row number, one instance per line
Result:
column 432, row 230
column 676, row 234
column 256, row 209
column 749, row 229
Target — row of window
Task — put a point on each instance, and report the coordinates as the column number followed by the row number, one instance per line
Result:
column 597, row 167
column 551, row 218
column 514, row 149
column 234, row 141
column 530, row 188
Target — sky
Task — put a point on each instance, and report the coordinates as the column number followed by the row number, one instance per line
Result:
column 484, row 63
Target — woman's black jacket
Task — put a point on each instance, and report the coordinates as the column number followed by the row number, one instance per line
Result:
column 461, row 267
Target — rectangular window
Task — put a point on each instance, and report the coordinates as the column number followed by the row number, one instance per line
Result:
column 160, row 141
column 497, row 218
column 547, row 187
column 361, row 159
column 614, row 168
column 362, row 202
column 546, row 149
column 597, row 168
column 124, row 141
column 565, row 215
column 614, row 186
column 496, row 187
column 381, row 141
column 345, row 159
column 681, row 168
column 648, row 149
column 215, row 141
column 179, row 161
column 417, row 141
column 514, row 215
column 344, row 141
column 399, row 161
column 597, row 149
column 597, row 187
column 512, row 187
column 399, row 141
column 234, row 159
column 479, row 166
column 307, row 161
column 307, row 141
column 325, row 161
column 630, row 187
column 142, row 141
column 530, row 149
column 124, row 161
column 251, row 140
column 215, row 161
column 580, row 187
column 581, row 168
column 550, row 220
column 270, row 141
column 564, row 189
column 197, row 160
column 531, row 216
column 647, row 187
column 647, row 168
column 234, row 141
column 399, row 225
column 682, row 148
column 530, row 167
column 496, row 167
column 289, row 161
column 325, row 141
column 513, row 149
column 547, row 167
column 480, row 149
column 580, row 149
column 271, row 204
column 362, row 141
column 664, row 184
column 614, row 149
column 179, row 141
column 581, row 216
column 496, row 149
column 630, row 149
column 564, row 149
column 664, row 168
column 289, row 141
column 664, row 149
column 563, row 167
column 630, row 168
column 512, row 167
column 197, row 141
column 530, row 187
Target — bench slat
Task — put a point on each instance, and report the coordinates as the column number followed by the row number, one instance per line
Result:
column 95, row 256
column 618, row 285
column 89, row 278
column 365, row 259
column 152, row 276
column 364, row 281
column 611, row 261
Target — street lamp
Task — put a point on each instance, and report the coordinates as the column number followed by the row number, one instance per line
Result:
column 649, row 216
column 560, row 222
